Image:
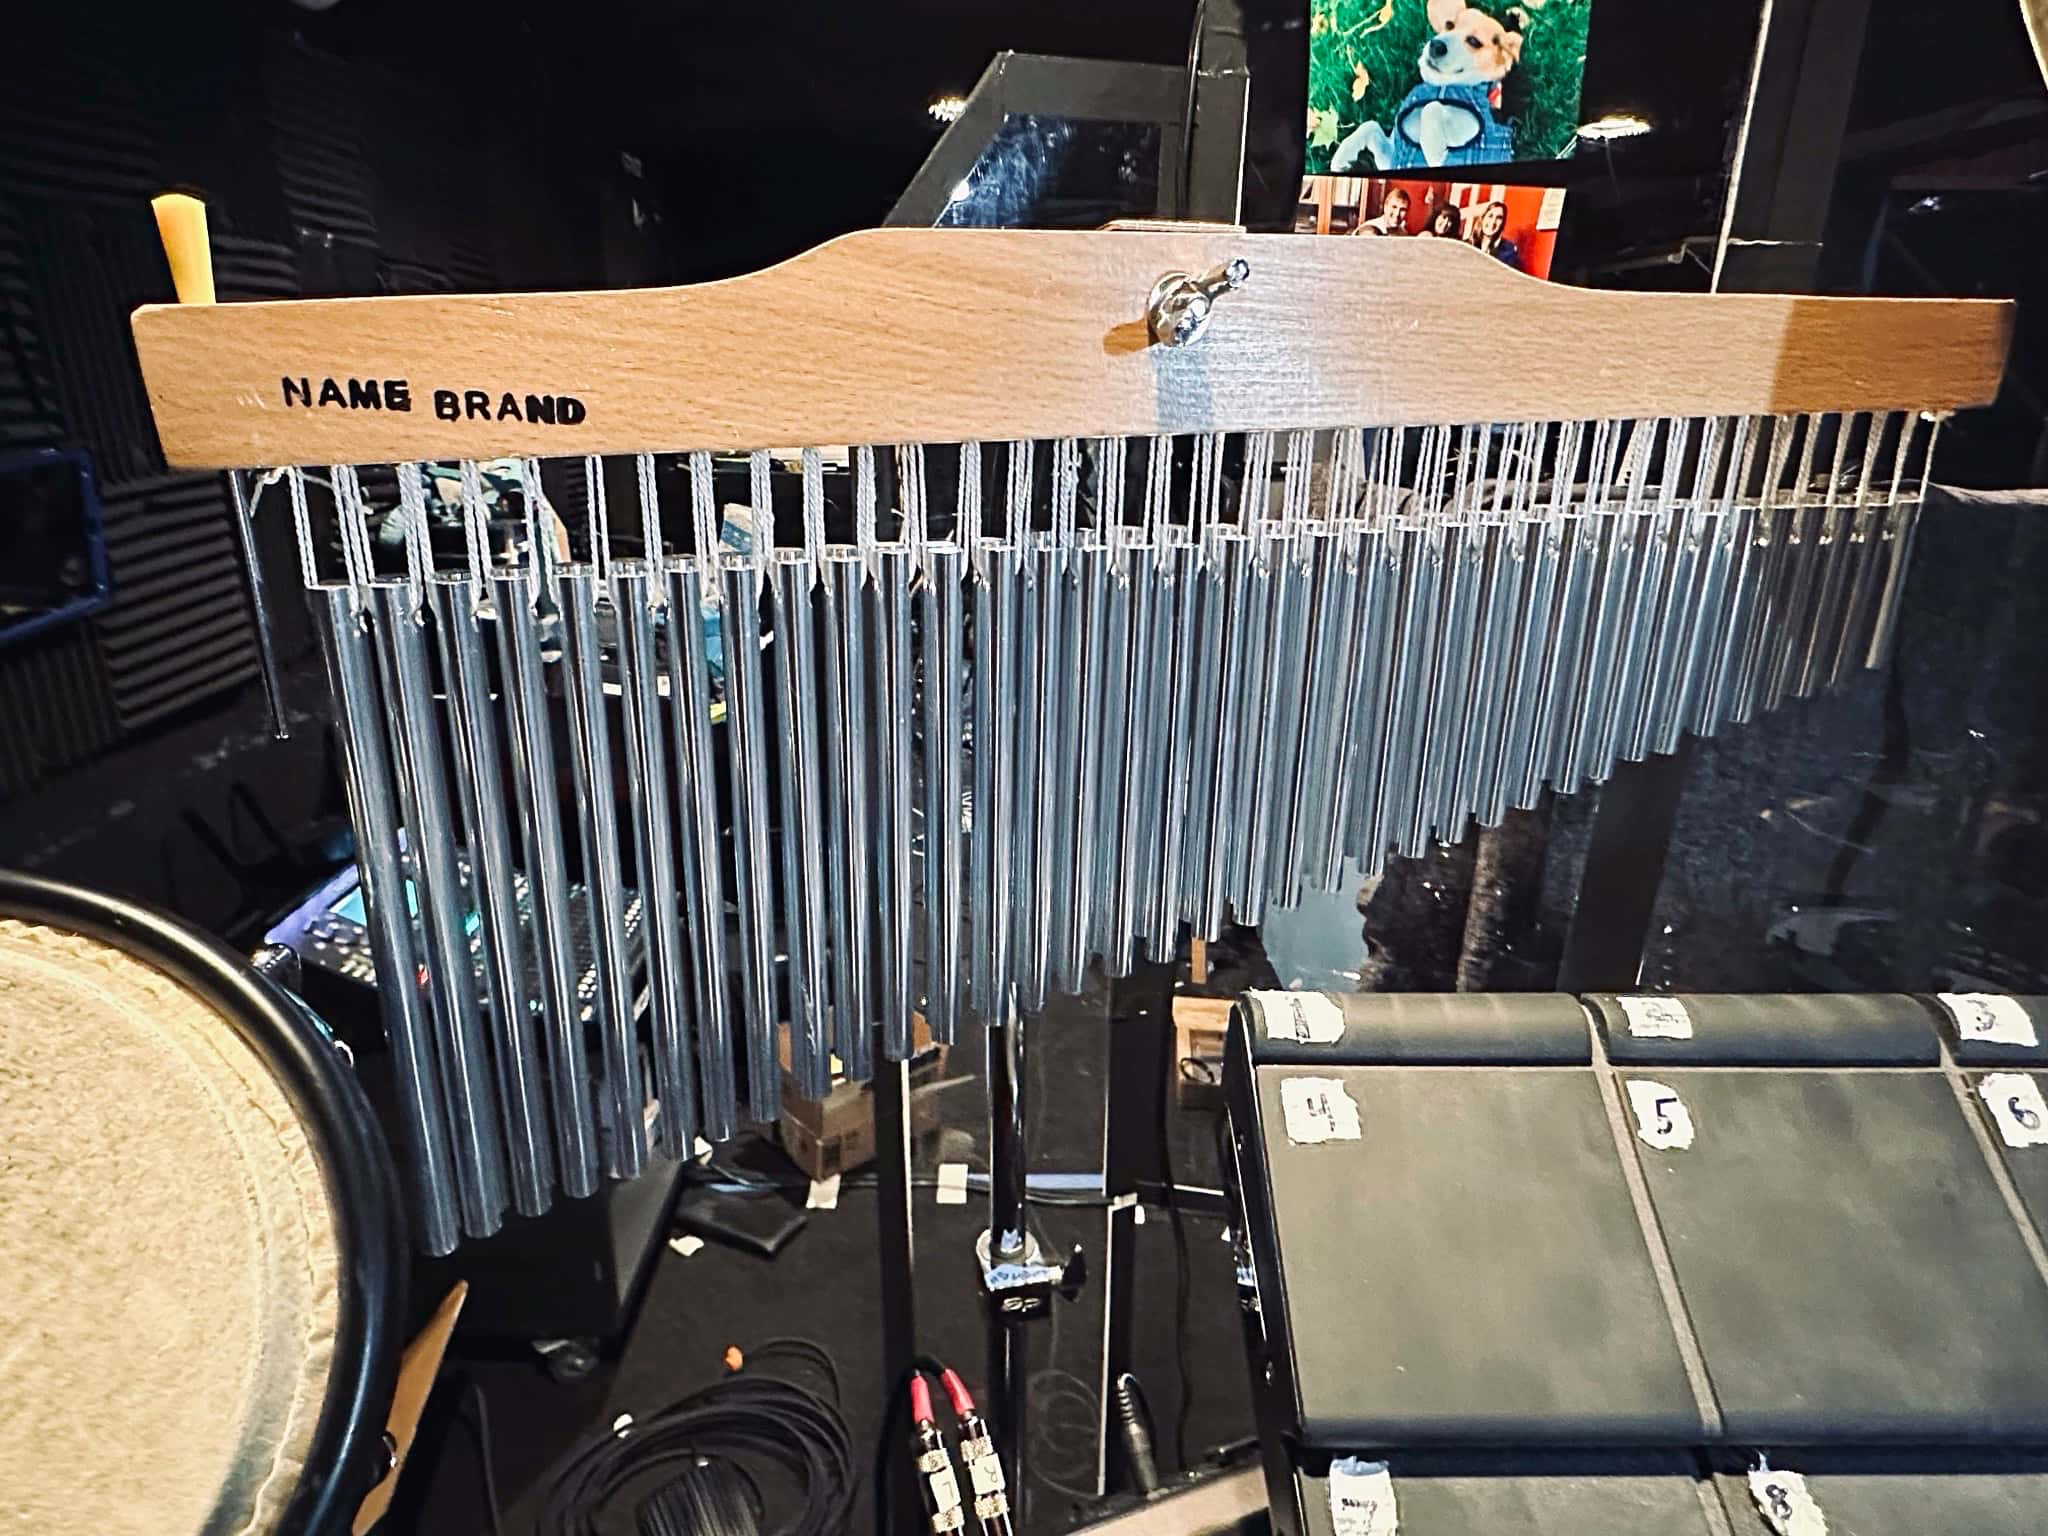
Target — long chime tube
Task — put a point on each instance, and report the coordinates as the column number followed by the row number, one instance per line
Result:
column 1134, row 787
column 1366, row 730
column 501, row 938
column 1112, row 874
column 1203, row 679
column 466, row 1071
column 944, row 690
column 890, row 662
column 1092, row 585
column 640, row 598
column 1146, row 811
column 1332, row 649
column 805, row 938
column 747, row 751
column 521, row 665
column 624, row 1086
column 1272, row 846
column 846, row 794
column 997, row 653
column 1027, row 781
column 689, row 675
column 1181, row 578
column 408, row 1024
column 1064, row 939
column 1048, row 706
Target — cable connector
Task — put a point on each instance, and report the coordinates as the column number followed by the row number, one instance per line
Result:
column 934, row 1463
column 978, row 1454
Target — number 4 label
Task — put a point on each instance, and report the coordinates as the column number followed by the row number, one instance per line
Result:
column 1318, row 1109
column 1786, row 1505
column 2017, row 1109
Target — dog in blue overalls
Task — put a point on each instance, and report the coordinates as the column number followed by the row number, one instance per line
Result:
column 1448, row 119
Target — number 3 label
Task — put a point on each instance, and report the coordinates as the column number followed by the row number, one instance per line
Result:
column 2017, row 1109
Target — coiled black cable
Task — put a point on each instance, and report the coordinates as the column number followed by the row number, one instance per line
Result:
column 749, row 1420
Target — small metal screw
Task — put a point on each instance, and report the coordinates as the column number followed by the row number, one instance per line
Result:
column 1181, row 304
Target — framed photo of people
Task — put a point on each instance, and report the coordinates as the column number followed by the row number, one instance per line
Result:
column 1517, row 226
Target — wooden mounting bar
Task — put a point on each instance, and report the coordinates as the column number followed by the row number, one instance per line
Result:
column 914, row 335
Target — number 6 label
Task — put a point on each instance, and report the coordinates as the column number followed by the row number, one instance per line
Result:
column 1662, row 1120
column 2017, row 1108
column 1786, row 1505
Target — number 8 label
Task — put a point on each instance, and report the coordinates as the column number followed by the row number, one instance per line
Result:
column 2017, row 1108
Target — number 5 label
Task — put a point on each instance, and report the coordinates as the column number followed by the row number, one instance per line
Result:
column 1662, row 1120
column 2017, row 1109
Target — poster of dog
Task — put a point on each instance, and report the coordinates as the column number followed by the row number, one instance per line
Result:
column 1517, row 226
column 1426, row 85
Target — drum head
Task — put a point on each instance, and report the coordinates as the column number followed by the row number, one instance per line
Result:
column 172, row 1259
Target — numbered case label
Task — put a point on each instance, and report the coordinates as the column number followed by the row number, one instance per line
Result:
column 1786, row 1505
column 1362, row 1498
column 1662, row 1120
column 1656, row 1018
column 1987, row 1016
column 2017, row 1108
column 1318, row 1109
column 1308, row 1018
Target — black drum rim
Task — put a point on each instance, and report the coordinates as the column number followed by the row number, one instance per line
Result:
column 347, row 1455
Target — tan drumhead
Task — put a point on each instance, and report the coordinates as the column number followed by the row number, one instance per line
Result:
column 167, row 1256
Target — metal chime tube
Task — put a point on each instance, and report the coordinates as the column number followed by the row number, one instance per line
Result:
column 501, row 941
column 408, row 1022
column 1092, row 561
column 623, row 1088
column 1146, row 810
column 1493, row 665
column 465, row 1055
column 1067, row 684
column 1273, row 850
column 1182, row 578
column 522, row 659
column 893, row 722
column 1136, row 816
column 944, row 688
column 803, row 834
column 1026, row 780
column 1916, row 446
column 846, row 798
column 1204, row 682
column 747, row 735
column 1112, row 873
column 641, row 600
column 1048, row 782
column 996, row 648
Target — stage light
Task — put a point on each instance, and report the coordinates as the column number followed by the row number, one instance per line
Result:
column 947, row 109
column 1614, row 125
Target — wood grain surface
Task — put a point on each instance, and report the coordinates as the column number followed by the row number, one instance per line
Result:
column 906, row 335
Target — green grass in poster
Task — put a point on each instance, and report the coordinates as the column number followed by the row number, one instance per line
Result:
column 1362, row 61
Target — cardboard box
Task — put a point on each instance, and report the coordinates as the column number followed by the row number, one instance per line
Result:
column 1199, row 1027
column 836, row 1134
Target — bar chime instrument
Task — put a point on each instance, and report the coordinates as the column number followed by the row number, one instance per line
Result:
column 1265, row 557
